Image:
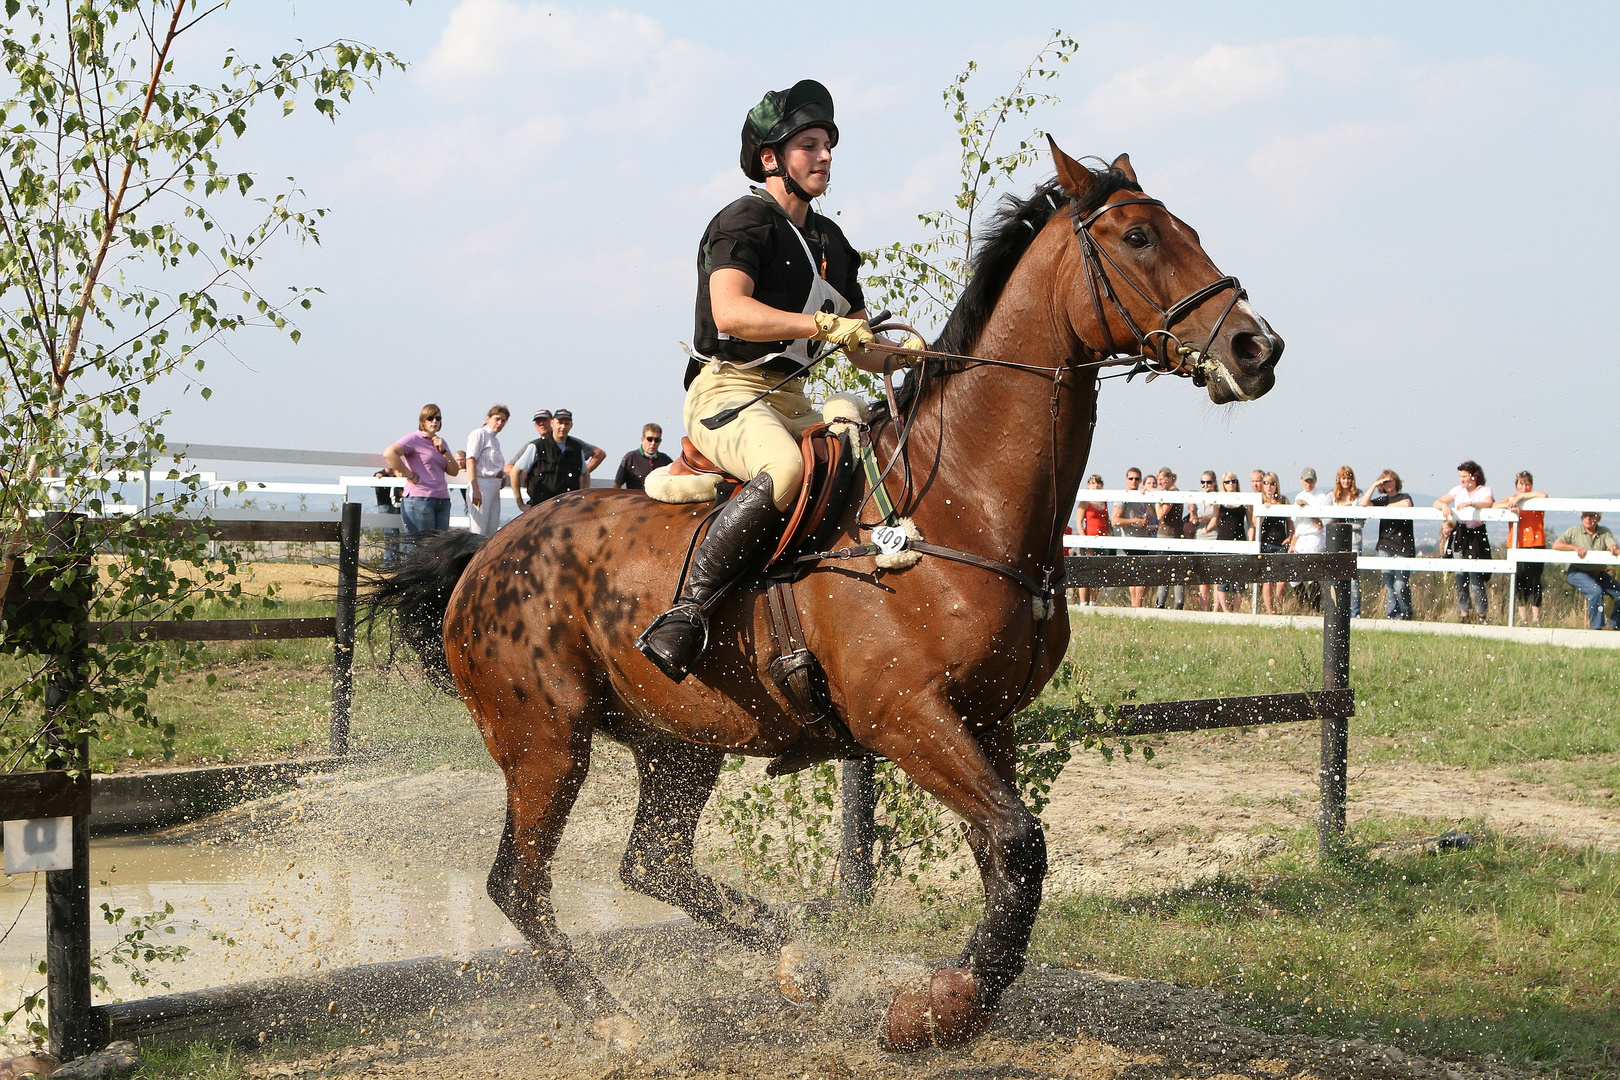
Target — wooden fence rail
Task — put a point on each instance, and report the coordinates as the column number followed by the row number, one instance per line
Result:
column 75, row 1028
column 1332, row 707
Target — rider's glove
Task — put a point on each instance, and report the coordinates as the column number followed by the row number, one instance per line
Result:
column 842, row 331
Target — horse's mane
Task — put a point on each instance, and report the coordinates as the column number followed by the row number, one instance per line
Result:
column 1012, row 228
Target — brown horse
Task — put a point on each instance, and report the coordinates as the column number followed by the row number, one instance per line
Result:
column 533, row 629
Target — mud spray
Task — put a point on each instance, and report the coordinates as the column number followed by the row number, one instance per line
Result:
column 369, row 865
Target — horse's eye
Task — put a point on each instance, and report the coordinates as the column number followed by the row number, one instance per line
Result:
column 1137, row 238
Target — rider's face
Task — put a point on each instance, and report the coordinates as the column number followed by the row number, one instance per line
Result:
column 807, row 157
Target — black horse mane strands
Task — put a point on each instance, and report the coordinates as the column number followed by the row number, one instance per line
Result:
column 1012, row 227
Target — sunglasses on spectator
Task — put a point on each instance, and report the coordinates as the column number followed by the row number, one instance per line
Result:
column 1210, row 482
column 651, row 438
column 435, row 416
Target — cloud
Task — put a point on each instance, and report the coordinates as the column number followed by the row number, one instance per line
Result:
column 1223, row 78
column 614, row 72
column 486, row 40
column 1228, row 77
column 1309, row 174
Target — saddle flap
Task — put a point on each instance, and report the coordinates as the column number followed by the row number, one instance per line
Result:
column 822, row 491
column 691, row 462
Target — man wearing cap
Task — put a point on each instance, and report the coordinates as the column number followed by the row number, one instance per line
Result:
column 1592, row 581
column 777, row 290
column 1309, row 537
column 535, row 466
column 578, row 458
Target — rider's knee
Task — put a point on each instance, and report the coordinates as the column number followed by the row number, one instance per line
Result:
column 786, row 474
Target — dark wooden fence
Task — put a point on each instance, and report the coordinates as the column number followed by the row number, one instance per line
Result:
column 1332, row 707
column 62, row 792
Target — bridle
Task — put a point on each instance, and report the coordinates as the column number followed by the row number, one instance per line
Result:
column 1154, row 352
column 1155, row 355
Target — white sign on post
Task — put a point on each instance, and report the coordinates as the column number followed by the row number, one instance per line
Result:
column 39, row 844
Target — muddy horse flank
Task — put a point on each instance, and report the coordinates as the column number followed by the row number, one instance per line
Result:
column 535, row 628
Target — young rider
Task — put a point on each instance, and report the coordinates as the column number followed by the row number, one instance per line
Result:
column 777, row 289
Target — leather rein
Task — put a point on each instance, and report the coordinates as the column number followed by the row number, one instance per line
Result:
column 1154, row 356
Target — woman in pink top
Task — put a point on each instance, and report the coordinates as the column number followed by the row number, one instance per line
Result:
column 424, row 460
column 1461, row 506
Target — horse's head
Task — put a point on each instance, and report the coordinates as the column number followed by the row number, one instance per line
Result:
column 1147, row 285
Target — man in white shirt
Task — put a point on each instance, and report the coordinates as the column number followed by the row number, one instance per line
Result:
column 1309, row 538
column 486, row 465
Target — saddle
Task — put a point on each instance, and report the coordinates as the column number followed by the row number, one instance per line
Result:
column 829, row 467
column 829, row 472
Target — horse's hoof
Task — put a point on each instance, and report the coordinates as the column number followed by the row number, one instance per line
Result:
column 619, row 1031
column 801, row 980
column 942, row 1010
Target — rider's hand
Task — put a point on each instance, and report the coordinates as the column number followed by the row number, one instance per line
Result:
column 849, row 333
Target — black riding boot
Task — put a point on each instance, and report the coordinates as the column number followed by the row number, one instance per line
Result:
column 733, row 545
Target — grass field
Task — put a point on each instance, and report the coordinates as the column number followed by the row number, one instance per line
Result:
column 1511, row 948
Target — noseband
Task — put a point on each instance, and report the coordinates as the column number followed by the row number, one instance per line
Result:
column 1155, row 354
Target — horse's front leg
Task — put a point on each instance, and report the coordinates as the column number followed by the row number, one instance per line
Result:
column 954, row 1004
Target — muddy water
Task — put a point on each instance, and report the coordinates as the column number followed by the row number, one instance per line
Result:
column 287, row 912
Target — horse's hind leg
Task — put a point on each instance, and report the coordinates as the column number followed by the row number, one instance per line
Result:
column 676, row 781
column 542, row 783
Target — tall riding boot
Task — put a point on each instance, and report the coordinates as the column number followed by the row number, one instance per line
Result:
column 733, row 545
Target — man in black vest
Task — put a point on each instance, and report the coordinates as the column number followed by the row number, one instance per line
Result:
column 534, row 474
column 578, row 459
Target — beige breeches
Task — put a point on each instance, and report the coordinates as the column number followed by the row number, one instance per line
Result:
column 764, row 438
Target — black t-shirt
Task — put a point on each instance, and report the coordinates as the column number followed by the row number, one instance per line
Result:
column 635, row 466
column 1231, row 523
column 755, row 235
column 1394, row 537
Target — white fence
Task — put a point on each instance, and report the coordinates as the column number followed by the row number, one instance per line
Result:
column 343, row 487
column 1431, row 564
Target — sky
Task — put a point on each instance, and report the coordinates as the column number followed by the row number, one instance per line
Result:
column 1418, row 197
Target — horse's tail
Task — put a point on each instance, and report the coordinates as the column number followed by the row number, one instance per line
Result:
column 412, row 595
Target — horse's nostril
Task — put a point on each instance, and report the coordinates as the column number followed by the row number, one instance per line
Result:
column 1248, row 346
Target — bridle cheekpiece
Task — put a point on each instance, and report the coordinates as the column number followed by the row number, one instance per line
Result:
column 1159, row 351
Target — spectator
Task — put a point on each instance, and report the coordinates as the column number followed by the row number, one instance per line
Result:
column 1202, row 522
column 1131, row 519
column 1276, row 536
column 486, row 465
column 1231, row 523
column 1093, row 522
column 424, row 459
column 1171, row 515
column 1396, row 541
column 1345, row 493
column 579, row 458
column 1592, row 582
column 1257, row 481
column 1461, row 506
column 1150, row 487
column 388, row 503
column 635, row 465
column 1530, row 531
column 535, row 470
column 1308, row 536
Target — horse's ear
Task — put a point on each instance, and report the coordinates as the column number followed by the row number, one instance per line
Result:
column 1075, row 178
column 1122, row 164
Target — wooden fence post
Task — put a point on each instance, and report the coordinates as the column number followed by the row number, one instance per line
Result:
column 1335, row 676
column 343, row 637
column 858, row 792
column 67, row 892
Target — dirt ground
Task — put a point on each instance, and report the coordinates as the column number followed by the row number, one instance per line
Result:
column 709, row 1011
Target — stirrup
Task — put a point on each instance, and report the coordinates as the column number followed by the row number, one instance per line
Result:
column 693, row 613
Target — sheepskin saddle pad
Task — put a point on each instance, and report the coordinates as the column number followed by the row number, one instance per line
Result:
column 829, row 467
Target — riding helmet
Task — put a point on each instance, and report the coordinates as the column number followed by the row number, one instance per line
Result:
column 780, row 115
